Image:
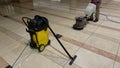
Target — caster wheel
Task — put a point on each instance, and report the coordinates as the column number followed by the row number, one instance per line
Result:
column 49, row 42
column 32, row 45
column 78, row 27
column 41, row 48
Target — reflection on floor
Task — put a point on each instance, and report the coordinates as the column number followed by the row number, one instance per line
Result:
column 97, row 46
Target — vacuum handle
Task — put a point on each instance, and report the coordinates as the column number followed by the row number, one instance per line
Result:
column 28, row 19
column 60, row 42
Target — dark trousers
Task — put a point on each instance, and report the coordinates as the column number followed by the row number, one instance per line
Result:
column 97, row 12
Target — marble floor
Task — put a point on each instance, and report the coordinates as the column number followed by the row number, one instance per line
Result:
column 97, row 46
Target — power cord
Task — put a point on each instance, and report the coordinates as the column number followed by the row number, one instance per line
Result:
column 110, row 19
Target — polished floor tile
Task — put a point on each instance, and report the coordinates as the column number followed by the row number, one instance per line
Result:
column 39, row 61
column 108, row 32
column 77, row 35
column 112, row 24
column 119, row 50
column 11, row 49
column 87, row 59
column 117, row 65
column 56, row 47
column 13, row 27
column 103, row 44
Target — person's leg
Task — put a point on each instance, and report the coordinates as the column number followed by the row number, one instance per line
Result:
column 90, row 18
column 97, row 11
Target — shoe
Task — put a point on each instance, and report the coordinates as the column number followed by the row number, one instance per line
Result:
column 90, row 19
column 96, row 20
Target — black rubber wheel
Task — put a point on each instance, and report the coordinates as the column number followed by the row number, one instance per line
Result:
column 49, row 42
column 9, row 66
column 78, row 27
column 41, row 48
column 32, row 45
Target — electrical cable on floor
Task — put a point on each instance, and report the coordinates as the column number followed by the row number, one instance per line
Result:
column 19, row 56
column 110, row 19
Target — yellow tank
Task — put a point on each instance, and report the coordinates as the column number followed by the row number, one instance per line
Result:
column 41, row 37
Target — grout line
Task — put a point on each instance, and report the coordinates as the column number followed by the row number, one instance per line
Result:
column 111, row 39
column 76, row 9
column 91, row 23
column 88, row 47
column 12, row 34
column 87, row 38
column 117, row 57
column 56, row 55
column 95, row 34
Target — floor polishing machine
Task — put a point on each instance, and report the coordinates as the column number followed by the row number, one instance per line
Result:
column 81, row 22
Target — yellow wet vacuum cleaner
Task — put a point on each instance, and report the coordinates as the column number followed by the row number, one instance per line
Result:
column 38, row 30
column 39, row 34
